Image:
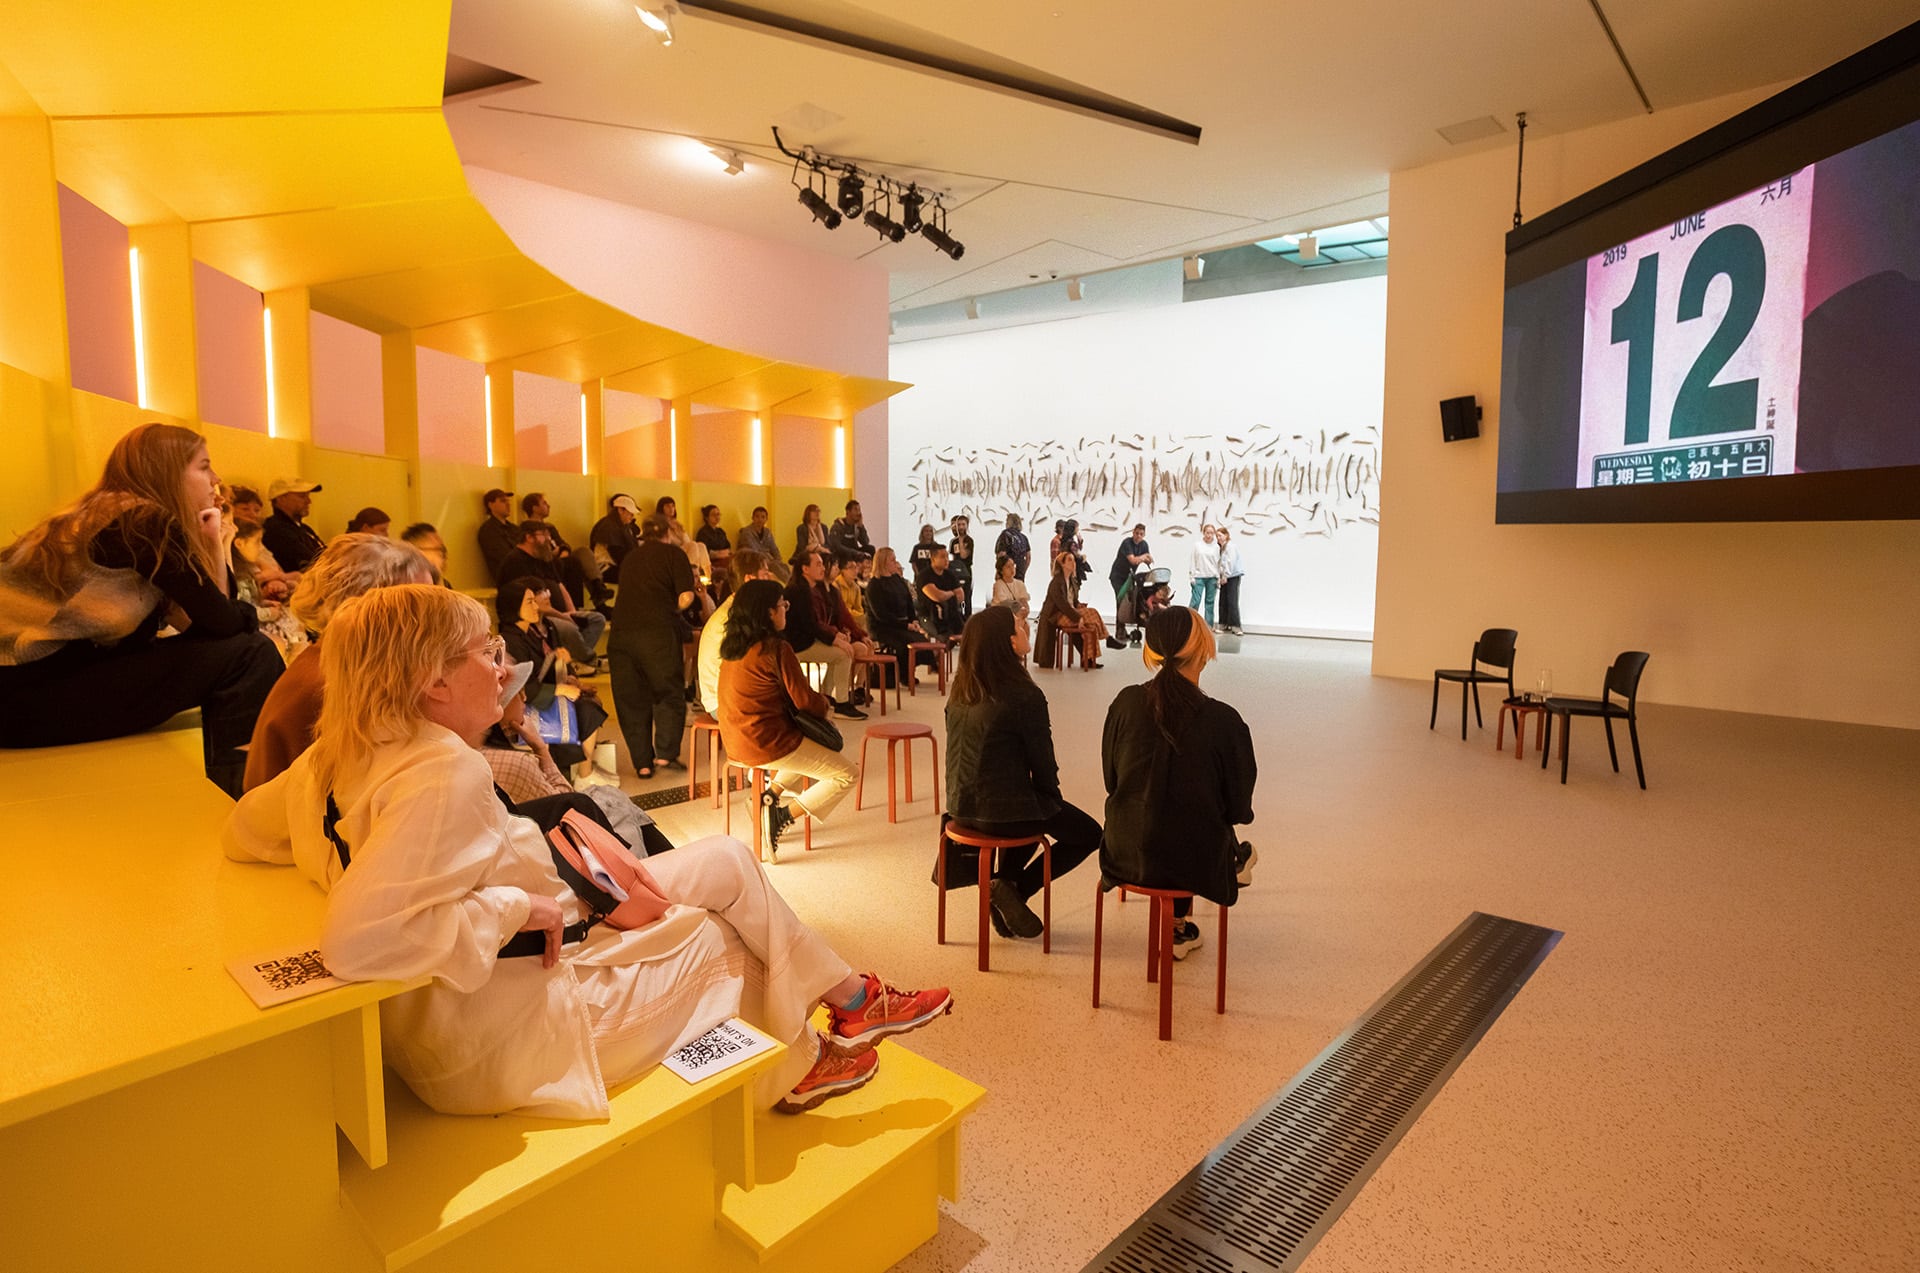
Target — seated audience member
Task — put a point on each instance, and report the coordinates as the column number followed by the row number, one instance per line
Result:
column 427, row 542
column 532, row 556
column 1013, row 543
column 444, row 877
column 747, row 565
column 714, row 540
column 351, row 566
column 649, row 670
column 1001, row 774
column 370, row 521
column 849, row 580
column 758, row 536
column 84, row 594
column 613, row 536
column 1008, row 590
column 809, row 535
column 847, row 537
column 531, row 637
column 940, row 596
column 960, row 562
column 1062, row 608
column 250, row 546
column 760, row 680
column 834, row 622
column 250, row 563
column 293, row 543
column 1179, row 770
column 810, row 644
column 891, row 614
column 579, row 572
column 524, row 769
column 499, row 533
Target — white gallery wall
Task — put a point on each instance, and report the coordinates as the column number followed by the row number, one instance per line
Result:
column 1260, row 411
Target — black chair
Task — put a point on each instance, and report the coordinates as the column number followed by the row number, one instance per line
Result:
column 1494, row 649
column 1623, row 678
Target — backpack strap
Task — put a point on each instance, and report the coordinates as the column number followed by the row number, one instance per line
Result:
column 331, row 825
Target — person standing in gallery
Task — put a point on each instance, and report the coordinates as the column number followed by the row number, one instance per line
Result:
column 1132, row 557
column 1231, row 569
column 649, row 674
column 1013, row 543
column 1205, row 569
column 961, row 562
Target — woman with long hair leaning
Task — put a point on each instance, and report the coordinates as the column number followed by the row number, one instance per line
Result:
column 531, row 638
column 1001, row 773
column 1179, row 770
column 391, row 813
column 84, row 594
column 760, row 679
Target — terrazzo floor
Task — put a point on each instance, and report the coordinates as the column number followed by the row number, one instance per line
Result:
column 1714, row 1070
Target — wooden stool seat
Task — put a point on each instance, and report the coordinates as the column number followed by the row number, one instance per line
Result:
column 881, row 668
column 761, row 775
column 988, row 845
column 715, row 773
column 941, row 651
column 897, row 736
column 1160, row 947
column 1065, row 651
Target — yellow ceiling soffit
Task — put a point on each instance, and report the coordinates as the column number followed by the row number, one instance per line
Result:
column 304, row 145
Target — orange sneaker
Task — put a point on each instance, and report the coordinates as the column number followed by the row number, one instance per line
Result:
column 834, row 1073
column 884, row 1013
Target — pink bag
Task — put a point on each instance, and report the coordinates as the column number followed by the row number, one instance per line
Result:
column 597, row 857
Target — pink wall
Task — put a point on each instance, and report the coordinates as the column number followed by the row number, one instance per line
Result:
column 636, row 436
column 453, row 407
column 348, row 412
column 230, row 347
column 546, row 423
column 93, row 251
column 719, row 446
column 803, row 452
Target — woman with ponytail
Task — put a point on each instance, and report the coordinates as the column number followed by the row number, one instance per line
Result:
column 1179, row 769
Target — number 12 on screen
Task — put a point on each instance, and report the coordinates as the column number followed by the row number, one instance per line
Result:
column 1692, row 334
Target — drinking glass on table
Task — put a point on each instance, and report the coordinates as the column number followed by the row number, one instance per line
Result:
column 1543, row 687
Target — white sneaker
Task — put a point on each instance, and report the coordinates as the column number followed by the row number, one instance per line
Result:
column 1186, row 938
column 1245, row 874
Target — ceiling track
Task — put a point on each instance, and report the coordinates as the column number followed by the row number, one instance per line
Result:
column 1080, row 102
column 1620, row 53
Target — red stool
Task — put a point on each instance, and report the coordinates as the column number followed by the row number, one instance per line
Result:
column 759, row 788
column 1064, row 651
column 988, row 845
column 1160, row 948
column 895, row 736
column 880, row 668
column 711, row 728
column 941, row 652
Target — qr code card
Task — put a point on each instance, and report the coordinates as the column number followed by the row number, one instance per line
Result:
column 721, row 1048
column 283, row 975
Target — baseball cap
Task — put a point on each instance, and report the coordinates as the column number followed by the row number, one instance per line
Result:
column 290, row 486
column 494, row 494
column 626, row 502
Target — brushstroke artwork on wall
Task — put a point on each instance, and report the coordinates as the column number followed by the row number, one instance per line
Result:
column 1264, row 480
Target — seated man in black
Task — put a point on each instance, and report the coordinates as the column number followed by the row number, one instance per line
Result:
column 939, row 591
column 578, row 571
column 847, row 538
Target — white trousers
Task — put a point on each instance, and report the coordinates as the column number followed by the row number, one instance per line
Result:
column 832, row 773
column 839, row 665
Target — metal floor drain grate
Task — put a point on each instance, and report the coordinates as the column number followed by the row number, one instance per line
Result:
column 1262, row 1199
column 669, row 795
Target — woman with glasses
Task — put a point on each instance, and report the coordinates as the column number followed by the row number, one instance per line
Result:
column 531, row 1006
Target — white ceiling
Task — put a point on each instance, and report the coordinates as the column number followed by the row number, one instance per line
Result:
column 1305, row 110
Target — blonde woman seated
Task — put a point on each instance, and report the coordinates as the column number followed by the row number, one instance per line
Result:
column 759, row 679
column 1063, row 609
column 431, row 876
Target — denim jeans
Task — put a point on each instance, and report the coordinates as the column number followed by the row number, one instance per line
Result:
column 1206, row 587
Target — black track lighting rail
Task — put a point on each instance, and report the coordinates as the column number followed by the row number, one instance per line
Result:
column 834, row 189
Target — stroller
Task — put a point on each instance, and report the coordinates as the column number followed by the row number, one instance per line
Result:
column 1147, row 592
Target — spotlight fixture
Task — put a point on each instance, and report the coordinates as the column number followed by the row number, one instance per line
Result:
column 822, row 211
column 853, row 194
column 942, row 240
column 1192, row 267
column 973, row 308
column 658, row 15
column 732, row 160
column 1309, row 247
column 1074, row 291
column 910, row 204
column 888, row 229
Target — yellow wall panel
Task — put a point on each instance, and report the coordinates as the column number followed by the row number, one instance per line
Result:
column 450, row 499
column 40, row 473
column 33, row 312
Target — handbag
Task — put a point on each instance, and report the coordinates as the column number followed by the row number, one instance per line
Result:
column 603, row 873
column 815, row 728
column 558, row 721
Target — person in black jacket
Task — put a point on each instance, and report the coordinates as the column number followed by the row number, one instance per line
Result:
column 293, row 543
column 1179, row 770
column 1001, row 774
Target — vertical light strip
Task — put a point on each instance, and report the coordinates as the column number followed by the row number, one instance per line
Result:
column 759, row 455
column 488, row 378
column 139, row 332
column 584, row 472
column 273, row 399
column 673, row 443
column 840, row 455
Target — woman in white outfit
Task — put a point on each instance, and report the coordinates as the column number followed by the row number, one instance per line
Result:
column 1205, row 569
column 391, row 812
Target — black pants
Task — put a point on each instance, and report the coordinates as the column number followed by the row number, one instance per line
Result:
column 1075, row 836
column 83, row 693
column 649, row 691
column 1230, row 602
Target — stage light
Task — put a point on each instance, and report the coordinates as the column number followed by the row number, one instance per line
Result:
column 887, row 229
column 658, row 15
column 853, row 193
column 973, row 308
column 1192, row 267
column 942, row 240
column 910, row 204
column 1074, row 291
column 822, row 210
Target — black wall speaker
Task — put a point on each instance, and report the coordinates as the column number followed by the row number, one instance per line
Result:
column 1459, row 419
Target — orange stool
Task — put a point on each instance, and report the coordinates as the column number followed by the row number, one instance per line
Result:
column 1065, row 652
column 941, row 652
column 988, row 845
column 1160, row 948
column 711, row 728
column 881, row 668
column 758, row 787
column 895, row 736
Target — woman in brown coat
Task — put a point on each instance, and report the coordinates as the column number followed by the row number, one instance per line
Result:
column 1062, row 608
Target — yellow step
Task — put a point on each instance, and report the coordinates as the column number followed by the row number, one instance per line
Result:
column 889, row 1147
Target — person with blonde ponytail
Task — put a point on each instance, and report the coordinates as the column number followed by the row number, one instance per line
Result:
column 532, row 1004
column 1179, row 769
column 84, row 596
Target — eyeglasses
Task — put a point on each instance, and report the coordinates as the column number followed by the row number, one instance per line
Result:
column 495, row 650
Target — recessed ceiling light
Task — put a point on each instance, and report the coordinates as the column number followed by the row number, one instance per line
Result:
column 1471, row 130
column 658, row 15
